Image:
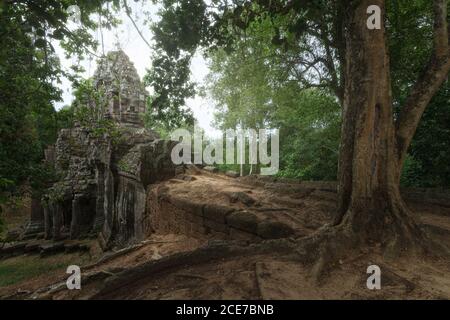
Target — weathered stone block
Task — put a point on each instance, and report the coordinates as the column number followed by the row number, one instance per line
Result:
column 187, row 205
column 217, row 227
column 216, row 212
column 198, row 230
column 32, row 247
column 13, row 248
column 52, row 248
column 236, row 234
column 232, row 174
column 241, row 197
column 243, row 220
column 186, row 177
column 194, row 218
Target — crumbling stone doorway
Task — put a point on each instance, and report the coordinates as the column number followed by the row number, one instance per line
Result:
column 83, row 216
column 66, row 216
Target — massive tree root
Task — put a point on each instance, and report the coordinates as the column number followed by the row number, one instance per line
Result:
column 388, row 228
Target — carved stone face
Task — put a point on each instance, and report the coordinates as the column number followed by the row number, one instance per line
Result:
column 118, row 75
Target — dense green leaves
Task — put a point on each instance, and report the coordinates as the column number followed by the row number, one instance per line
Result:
column 410, row 31
column 29, row 74
column 266, row 53
column 26, row 93
column 254, row 87
column 169, row 78
column 181, row 27
column 429, row 161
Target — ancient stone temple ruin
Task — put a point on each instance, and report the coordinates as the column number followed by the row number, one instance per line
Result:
column 102, row 182
column 124, row 91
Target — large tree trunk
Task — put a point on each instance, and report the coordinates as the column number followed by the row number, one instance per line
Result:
column 370, row 204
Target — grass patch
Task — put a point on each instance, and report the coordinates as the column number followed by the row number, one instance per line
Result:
column 17, row 269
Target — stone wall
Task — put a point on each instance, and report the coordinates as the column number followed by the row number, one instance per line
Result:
column 168, row 213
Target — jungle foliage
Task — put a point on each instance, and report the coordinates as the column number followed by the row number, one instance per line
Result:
column 280, row 64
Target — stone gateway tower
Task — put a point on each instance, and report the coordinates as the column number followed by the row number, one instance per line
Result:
column 125, row 94
column 102, row 187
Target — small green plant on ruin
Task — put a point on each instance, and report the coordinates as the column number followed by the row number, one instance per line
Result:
column 54, row 195
column 124, row 166
column 90, row 105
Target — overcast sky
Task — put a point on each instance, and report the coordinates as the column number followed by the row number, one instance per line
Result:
column 133, row 45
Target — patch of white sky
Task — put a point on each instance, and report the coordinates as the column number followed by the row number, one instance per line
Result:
column 126, row 36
